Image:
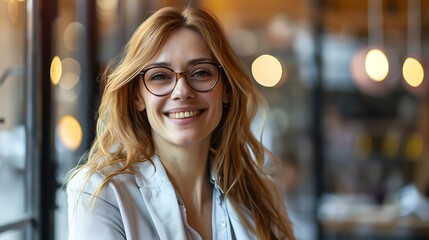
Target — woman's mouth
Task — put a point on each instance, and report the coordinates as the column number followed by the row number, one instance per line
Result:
column 183, row 115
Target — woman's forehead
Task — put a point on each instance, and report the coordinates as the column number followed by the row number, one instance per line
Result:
column 181, row 45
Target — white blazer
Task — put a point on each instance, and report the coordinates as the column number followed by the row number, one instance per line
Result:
column 132, row 206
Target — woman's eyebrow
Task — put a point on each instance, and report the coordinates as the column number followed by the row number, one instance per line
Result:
column 197, row 60
column 188, row 63
column 159, row 64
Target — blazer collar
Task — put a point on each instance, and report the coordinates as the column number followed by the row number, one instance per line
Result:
column 151, row 174
column 160, row 199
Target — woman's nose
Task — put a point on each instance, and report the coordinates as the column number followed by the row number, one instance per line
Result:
column 182, row 90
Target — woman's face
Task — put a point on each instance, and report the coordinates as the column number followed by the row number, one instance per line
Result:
column 184, row 117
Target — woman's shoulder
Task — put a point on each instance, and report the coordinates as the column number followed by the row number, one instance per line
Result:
column 83, row 179
column 88, row 181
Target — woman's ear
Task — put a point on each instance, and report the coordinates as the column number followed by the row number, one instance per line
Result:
column 139, row 101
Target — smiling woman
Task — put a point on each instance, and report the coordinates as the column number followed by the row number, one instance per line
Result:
column 197, row 91
column 174, row 156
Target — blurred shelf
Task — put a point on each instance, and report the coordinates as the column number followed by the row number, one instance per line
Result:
column 373, row 228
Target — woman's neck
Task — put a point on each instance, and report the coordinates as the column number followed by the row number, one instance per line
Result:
column 189, row 171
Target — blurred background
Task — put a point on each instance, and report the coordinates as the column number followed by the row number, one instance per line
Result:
column 346, row 83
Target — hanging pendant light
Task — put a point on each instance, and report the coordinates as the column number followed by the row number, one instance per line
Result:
column 373, row 71
column 376, row 62
column 413, row 71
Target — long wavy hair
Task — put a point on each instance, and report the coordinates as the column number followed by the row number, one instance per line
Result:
column 124, row 133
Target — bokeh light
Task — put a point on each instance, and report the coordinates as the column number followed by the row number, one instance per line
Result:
column 267, row 70
column 13, row 10
column 71, row 73
column 244, row 42
column 414, row 147
column 74, row 35
column 376, row 65
column 281, row 31
column 413, row 72
column 391, row 143
column 106, row 9
column 56, row 70
column 70, row 132
column 363, row 143
column 72, row 94
column 368, row 85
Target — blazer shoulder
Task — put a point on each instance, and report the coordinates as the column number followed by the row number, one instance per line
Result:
column 85, row 182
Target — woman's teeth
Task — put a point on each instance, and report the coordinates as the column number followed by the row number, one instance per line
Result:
column 181, row 115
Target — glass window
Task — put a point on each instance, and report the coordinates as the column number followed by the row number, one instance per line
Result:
column 14, row 234
column 12, row 115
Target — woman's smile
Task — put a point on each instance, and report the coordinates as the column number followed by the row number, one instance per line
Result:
column 184, row 114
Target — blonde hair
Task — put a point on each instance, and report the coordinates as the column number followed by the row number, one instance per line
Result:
column 123, row 133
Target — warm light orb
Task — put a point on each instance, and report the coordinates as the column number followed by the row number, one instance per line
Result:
column 413, row 72
column 363, row 143
column 13, row 10
column 71, row 73
column 376, row 65
column 391, row 143
column 56, row 70
column 107, row 5
column 244, row 42
column 106, row 9
column 414, row 147
column 74, row 35
column 267, row 70
column 70, row 132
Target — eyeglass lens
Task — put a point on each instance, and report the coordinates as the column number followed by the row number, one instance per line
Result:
column 201, row 77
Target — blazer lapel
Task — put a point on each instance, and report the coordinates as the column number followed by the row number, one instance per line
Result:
column 160, row 198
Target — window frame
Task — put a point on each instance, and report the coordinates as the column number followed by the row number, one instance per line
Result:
column 36, row 222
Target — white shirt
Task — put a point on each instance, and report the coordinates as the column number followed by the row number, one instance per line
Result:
column 221, row 227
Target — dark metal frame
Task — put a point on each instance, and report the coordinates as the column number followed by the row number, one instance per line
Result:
column 32, row 183
column 316, row 107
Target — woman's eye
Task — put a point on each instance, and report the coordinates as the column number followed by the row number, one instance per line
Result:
column 160, row 76
column 201, row 74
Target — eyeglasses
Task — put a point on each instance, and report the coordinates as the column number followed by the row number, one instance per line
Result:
column 161, row 81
